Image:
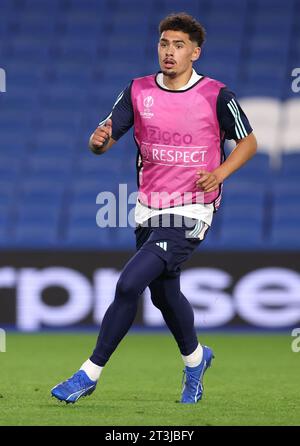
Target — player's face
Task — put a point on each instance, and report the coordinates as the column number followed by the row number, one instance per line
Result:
column 176, row 53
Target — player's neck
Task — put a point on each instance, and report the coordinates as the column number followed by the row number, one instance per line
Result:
column 179, row 81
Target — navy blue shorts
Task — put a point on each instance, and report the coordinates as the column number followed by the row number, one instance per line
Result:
column 173, row 240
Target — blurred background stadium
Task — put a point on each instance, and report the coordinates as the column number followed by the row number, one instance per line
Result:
column 66, row 61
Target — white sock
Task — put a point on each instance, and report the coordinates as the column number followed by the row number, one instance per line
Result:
column 92, row 370
column 194, row 358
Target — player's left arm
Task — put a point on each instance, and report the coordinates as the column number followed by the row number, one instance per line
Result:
column 235, row 125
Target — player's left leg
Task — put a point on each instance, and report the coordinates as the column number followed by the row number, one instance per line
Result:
column 179, row 317
column 176, row 311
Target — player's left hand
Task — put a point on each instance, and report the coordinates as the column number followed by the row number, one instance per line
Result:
column 207, row 181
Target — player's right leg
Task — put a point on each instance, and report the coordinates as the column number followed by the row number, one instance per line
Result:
column 138, row 273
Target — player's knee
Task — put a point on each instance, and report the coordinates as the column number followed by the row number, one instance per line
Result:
column 125, row 288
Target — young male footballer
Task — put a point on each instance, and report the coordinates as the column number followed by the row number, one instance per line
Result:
column 181, row 120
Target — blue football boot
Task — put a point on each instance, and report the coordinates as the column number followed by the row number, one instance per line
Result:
column 193, row 387
column 78, row 386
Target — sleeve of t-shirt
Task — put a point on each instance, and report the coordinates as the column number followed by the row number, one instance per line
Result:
column 121, row 114
column 232, row 118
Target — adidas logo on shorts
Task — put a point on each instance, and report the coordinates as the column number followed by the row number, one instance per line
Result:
column 162, row 245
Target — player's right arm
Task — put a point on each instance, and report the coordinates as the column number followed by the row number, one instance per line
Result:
column 115, row 125
column 101, row 140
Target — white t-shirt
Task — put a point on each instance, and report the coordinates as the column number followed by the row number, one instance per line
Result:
column 198, row 211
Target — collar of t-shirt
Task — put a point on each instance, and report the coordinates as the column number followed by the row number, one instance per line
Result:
column 193, row 79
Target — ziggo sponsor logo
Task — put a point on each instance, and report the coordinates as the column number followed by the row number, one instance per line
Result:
column 156, row 135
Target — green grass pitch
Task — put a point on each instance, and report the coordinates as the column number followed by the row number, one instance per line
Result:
column 254, row 381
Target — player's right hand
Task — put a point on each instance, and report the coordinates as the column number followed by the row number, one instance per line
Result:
column 102, row 135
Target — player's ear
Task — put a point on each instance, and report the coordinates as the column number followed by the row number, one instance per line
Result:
column 196, row 54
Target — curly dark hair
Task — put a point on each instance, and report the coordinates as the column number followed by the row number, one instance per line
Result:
column 186, row 23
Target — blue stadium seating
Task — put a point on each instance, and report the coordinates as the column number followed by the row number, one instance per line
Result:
column 237, row 236
column 10, row 166
column 291, row 165
column 7, row 192
column 85, row 234
column 285, row 236
column 256, row 169
column 287, row 190
column 35, row 235
column 243, row 214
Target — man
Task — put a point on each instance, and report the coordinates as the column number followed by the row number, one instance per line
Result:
column 181, row 120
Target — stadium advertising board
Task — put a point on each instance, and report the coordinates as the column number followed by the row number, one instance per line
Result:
column 73, row 289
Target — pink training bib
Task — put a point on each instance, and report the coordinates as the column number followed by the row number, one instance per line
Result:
column 177, row 134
